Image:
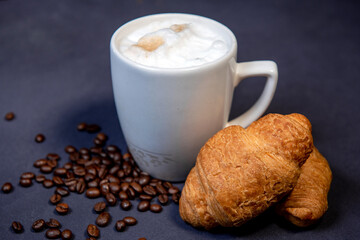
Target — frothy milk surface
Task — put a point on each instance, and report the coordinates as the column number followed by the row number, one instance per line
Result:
column 173, row 44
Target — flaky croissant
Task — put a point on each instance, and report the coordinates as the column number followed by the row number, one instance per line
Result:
column 308, row 201
column 240, row 172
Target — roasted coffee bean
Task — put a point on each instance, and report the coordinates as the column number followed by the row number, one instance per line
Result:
column 89, row 177
column 142, row 238
column 128, row 179
column 113, row 179
column 120, row 173
column 112, row 148
column 70, row 181
column 60, row 171
column 72, row 188
column 62, row 208
column 131, row 193
column 114, row 170
column 136, row 187
column 80, row 185
column 39, row 138
column 163, row 199
column 68, row 165
column 167, row 185
column 120, row 225
column 70, row 149
column 93, row 231
column 130, row 221
column 99, row 207
column 74, row 156
column 123, row 195
column 124, row 186
column 48, row 183
column 111, row 199
column 55, row 198
column 7, row 187
column 93, row 193
column 98, row 142
column 175, row 197
column 103, row 219
column 52, row 163
column 149, row 190
column 38, row 225
column 155, row 208
column 173, row 190
column 46, row 168
column 83, row 160
column 25, row 182
column 114, row 187
column 160, row 189
column 145, row 197
column 62, row 191
column 116, row 156
column 93, row 184
column 70, row 175
column 53, row 233
column 28, row 175
column 102, row 172
column 9, row 116
column 84, row 151
column 143, row 206
column 135, row 174
column 95, row 150
column 125, row 205
column 81, row 126
column 17, row 227
column 127, row 168
column 144, row 180
column 104, row 188
column 79, row 171
column 40, row 178
column 58, row 180
column 40, row 162
column 53, row 223
column 53, row 156
column 66, row 234
column 102, row 136
column 93, row 128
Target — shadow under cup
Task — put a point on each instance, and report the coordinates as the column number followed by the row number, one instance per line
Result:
column 168, row 114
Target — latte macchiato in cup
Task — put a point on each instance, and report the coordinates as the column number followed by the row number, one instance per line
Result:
column 173, row 80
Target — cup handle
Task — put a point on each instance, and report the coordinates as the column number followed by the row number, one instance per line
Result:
column 244, row 70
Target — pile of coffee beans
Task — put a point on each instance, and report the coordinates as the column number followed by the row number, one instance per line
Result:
column 101, row 171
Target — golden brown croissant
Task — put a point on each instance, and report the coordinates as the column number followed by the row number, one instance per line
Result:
column 308, row 201
column 240, row 173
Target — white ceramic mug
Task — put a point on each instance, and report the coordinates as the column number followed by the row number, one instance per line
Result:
column 167, row 114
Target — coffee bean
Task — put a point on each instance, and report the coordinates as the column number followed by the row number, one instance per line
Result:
column 60, row 171
column 62, row 208
column 160, row 189
column 40, row 162
column 124, row 186
column 81, row 126
column 98, row 142
column 136, row 187
column 62, row 191
column 149, row 190
column 130, row 221
column 55, row 198
column 25, row 182
column 53, row 156
column 39, row 138
column 102, row 172
column 66, row 234
column 93, row 193
column 79, row 171
column 68, row 166
column 102, row 136
column 70, row 149
column 125, row 205
column 17, row 227
column 80, row 186
column 38, row 225
column 48, row 183
column 53, row 233
column 74, row 156
column 143, row 206
column 142, row 238
column 111, row 199
column 89, row 177
column 99, row 207
column 114, row 187
column 103, row 219
column 40, row 178
column 131, row 193
column 155, row 208
column 7, row 187
column 173, row 190
column 167, row 185
column 52, row 163
column 120, row 225
column 93, row 231
column 123, row 195
column 27, row 175
column 93, row 184
column 163, row 199
column 46, row 168
column 9, row 116
column 58, row 180
column 93, row 128
column 53, row 223
column 128, row 179
column 175, row 197
column 112, row 148
column 144, row 180
column 127, row 168
column 120, row 173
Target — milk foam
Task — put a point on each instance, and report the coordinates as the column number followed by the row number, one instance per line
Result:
column 173, row 44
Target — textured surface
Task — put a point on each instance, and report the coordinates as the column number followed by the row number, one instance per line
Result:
column 55, row 73
column 240, row 173
column 308, row 200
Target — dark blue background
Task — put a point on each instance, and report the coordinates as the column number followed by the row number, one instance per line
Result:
column 55, row 73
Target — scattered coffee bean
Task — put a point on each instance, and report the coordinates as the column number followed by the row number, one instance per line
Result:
column 53, row 156
column 144, row 180
column 81, row 126
column 62, row 208
column 62, row 191
column 120, row 225
column 48, row 183
column 39, row 138
column 160, row 189
column 17, row 227
column 66, row 234
column 93, row 193
column 125, row 205
column 137, row 187
column 93, row 128
column 27, row 175
column 46, row 168
column 163, row 199
column 60, row 172
column 149, row 190
column 55, row 198
column 7, row 187
column 38, row 225
column 25, row 182
column 143, row 206
column 99, row 207
column 145, row 197
column 53, row 223
column 173, row 190
column 103, row 219
column 175, row 197
column 111, row 199
column 40, row 178
column 123, row 195
column 130, row 221
column 155, row 208
column 131, row 193
column 53, row 233
column 9, row 116
column 93, row 231
column 58, row 180
column 40, row 162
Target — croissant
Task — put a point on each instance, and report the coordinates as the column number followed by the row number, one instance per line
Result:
column 240, row 172
column 308, row 200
